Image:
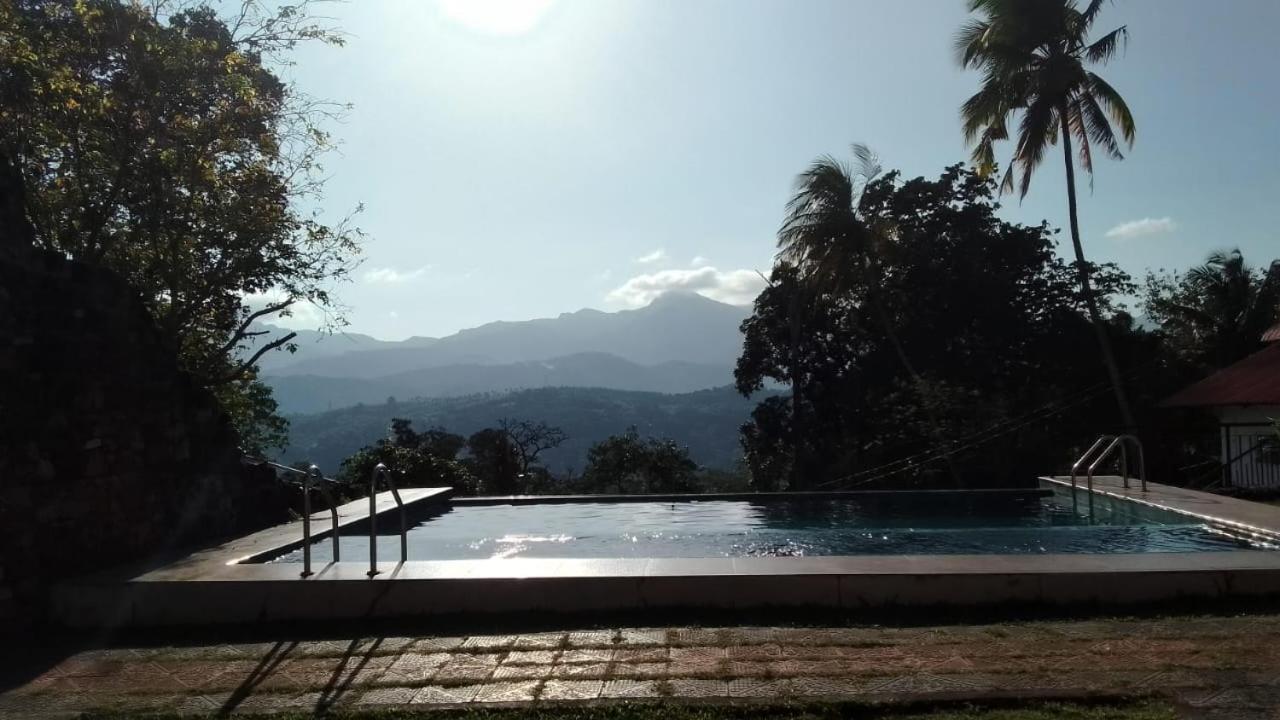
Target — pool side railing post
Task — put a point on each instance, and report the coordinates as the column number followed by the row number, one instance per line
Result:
column 378, row 469
column 320, row 481
column 306, row 524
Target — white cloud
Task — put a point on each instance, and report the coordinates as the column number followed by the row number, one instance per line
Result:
column 392, row 276
column 737, row 287
column 302, row 315
column 698, row 261
column 653, row 257
column 1141, row 228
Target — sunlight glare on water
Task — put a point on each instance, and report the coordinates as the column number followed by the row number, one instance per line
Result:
column 720, row 528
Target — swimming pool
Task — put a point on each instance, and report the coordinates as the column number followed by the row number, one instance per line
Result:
column 912, row 525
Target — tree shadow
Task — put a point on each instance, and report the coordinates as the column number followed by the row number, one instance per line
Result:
column 266, row 666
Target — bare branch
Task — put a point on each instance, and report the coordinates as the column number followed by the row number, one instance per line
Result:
column 244, row 367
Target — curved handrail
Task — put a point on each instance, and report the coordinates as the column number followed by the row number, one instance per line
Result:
column 1121, row 442
column 312, row 473
column 381, row 470
column 1075, row 469
column 315, row 474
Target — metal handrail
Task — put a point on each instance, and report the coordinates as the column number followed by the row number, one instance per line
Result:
column 1120, row 442
column 1078, row 466
column 381, row 470
column 312, row 473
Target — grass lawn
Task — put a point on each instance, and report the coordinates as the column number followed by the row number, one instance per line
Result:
column 813, row 711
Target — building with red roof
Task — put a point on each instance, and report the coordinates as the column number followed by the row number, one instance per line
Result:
column 1245, row 397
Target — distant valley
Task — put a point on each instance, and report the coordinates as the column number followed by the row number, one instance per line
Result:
column 706, row 422
column 680, row 343
column 666, row 368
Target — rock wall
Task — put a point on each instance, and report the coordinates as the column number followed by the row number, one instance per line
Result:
column 108, row 454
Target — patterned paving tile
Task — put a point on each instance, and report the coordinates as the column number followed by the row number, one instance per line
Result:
column 507, row 692
column 586, row 671
column 531, row 657
column 630, row 689
column 541, row 641
column 591, row 638
column 489, row 642
column 571, row 690
column 685, row 688
column 921, row 683
column 388, row 696
column 640, row 671
column 758, row 688
column 439, row 695
column 698, row 655
column 463, row 674
column 522, row 672
column 826, row 687
column 593, row 655
column 640, row 655
column 415, row 668
column 642, row 638
column 432, row 644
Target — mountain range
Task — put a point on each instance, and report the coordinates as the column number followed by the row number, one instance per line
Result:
column 679, row 343
column 706, row 422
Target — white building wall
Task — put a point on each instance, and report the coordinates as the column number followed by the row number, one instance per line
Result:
column 1249, row 444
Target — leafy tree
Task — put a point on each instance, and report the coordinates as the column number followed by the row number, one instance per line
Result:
column 628, row 464
column 836, row 243
column 1034, row 58
column 156, row 139
column 981, row 307
column 495, row 461
column 425, row 459
column 1215, row 314
column 529, row 439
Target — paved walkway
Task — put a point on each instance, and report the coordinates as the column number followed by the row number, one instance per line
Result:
column 1212, row 667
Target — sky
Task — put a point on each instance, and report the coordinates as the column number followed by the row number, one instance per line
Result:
column 525, row 158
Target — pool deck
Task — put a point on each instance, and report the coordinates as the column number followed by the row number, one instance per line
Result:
column 1212, row 668
column 212, row 587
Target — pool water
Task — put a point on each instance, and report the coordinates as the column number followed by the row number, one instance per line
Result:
column 775, row 528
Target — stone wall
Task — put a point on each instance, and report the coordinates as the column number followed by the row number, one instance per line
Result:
column 108, row 454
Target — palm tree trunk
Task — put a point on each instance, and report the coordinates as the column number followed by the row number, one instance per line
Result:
column 1086, row 287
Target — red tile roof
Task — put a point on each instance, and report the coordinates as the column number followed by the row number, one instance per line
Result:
column 1254, row 380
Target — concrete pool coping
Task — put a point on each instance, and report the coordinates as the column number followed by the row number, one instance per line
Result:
column 210, row 587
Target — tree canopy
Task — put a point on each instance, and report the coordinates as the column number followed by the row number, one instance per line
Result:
column 1215, row 314
column 983, row 309
column 158, row 139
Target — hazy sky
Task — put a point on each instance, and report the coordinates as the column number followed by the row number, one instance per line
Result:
column 523, row 158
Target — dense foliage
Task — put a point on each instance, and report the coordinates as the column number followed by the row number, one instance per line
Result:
column 1035, row 59
column 1215, row 314
column 953, row 321
column 157, row 139
column 627, row 464
column 427, row 459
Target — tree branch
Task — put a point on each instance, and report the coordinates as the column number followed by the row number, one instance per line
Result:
column 244, row 366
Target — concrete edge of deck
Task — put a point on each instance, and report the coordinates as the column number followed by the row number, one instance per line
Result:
column 1259, row 519
column 211, row 591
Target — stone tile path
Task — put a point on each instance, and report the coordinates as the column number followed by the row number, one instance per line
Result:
column 1227, row 667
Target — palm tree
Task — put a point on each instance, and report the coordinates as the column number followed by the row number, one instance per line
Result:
column 1034, row 57
column 1220, row 310
column 836, row 246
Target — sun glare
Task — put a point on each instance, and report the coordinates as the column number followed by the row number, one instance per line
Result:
column 496, row 17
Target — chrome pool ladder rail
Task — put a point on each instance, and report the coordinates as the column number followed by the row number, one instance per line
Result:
column 1112, row 443
column 381, row 471
column 1088, row 454
column 311, row 475
column 1120, row 442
